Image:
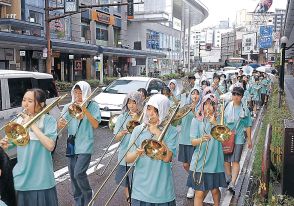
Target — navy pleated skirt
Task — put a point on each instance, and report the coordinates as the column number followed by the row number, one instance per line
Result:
column 141, row 203
column 46, row 197
column 185, row 153
column 208, row 181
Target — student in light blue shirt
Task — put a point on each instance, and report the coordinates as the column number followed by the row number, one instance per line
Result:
column 186, row 149
column 153, row 179
column 33, row 174
column 131, row 109
column 207, row 164
column 82, row 128
column 237, row 118
column 175, row 94
column 256, row 95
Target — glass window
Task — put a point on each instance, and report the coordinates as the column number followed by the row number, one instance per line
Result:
column 17, row 88
column 124, row 86
column 101, row 34
column 48, row 86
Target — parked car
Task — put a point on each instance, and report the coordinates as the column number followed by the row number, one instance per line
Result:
column 13, row 86
column 111, row 98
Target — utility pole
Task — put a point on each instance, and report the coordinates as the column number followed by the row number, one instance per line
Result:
column 48, row 20
column 48, row 38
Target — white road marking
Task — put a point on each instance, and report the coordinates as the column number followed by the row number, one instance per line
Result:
column 63, row 174
column 112, row 146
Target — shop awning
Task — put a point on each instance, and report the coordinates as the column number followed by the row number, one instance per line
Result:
column 123, row 52
column 73, row 47
column 20, row 24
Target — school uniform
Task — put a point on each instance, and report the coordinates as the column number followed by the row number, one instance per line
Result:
column 237, row 118
column 213, row 172
column 263, row 89
column 84, row 147
column 120, row 125
column 255, row 93
column 33, row 174
column 152, row 179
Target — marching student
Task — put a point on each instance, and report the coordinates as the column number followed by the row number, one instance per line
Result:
column 143, row 92
column 81, row 131
column 237, row 118
column 175, row 91
column 218, row 89
column 153, row 179
column 132, row 106
column 210, row 161
column 186, row 149
column 256, row 95
column 33, row 174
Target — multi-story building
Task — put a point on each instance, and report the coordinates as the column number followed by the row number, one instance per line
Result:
column 162, row 26
column 279, row 19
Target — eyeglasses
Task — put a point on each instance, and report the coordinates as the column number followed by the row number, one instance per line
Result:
column 236, row 94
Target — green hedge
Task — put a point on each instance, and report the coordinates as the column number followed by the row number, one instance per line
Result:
column 66, row 86
column 274, row 116
column 170, row 76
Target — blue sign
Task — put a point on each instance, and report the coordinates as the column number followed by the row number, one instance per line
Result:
column 265, row 42
column 266, row 30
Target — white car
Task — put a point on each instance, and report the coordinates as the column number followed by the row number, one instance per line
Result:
column 111, row 98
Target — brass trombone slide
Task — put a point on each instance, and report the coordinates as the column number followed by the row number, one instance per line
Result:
column 112, row 171
column 108, row 146
column 153, row 149
column 130, row 127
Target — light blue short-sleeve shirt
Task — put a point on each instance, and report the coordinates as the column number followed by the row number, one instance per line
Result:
column 34, row 168
column 214, row 157
column 120, row 125
column 153, row 179
column 84, row 141
column 239, row 124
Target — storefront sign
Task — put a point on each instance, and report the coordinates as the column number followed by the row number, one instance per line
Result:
column 78, row 65
column 22, row 53
column 100, row 17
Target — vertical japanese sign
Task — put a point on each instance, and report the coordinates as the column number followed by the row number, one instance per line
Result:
column 130, row 9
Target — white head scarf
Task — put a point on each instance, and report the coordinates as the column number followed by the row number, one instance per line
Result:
column 161, row 103
column 86, row 90
column 137, row 97
column 176, row 91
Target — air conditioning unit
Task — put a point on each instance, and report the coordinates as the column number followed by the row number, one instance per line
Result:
column 83, row 39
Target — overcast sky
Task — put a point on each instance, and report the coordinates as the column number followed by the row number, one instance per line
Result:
column 224, row 9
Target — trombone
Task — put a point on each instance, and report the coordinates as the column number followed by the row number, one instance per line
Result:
column 18, row 134
column 220, row 133
column 153, row 149
column 130, row 127
column 75, row 110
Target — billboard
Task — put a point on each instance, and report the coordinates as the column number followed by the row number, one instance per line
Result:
column 263, row 6
column 249, row 43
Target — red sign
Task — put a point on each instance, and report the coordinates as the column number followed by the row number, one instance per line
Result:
column 78, row 65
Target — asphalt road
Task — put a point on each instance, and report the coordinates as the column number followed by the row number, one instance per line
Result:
column 102, row 138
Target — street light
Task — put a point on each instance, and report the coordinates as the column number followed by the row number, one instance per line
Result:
column 284, row 41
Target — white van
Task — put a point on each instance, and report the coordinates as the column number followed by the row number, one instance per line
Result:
column 14, row 84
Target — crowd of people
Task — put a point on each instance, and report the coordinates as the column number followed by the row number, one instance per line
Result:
column 190, row 141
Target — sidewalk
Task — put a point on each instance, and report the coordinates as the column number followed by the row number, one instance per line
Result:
column 289, row 90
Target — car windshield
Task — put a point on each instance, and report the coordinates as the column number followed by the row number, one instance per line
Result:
column 125, row 86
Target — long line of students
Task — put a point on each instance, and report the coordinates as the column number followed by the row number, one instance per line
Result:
column 152, row 179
